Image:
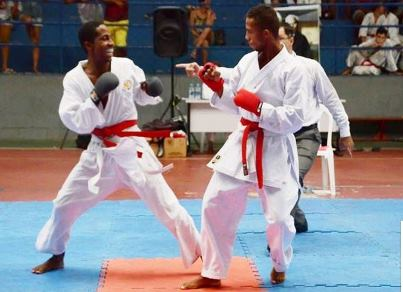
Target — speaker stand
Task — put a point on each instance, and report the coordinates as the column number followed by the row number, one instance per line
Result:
column 172, row 88
column 190, row 135
column 173, row 105
column 170, row 105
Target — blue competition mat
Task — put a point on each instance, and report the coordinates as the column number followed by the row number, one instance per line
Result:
column 352, row 245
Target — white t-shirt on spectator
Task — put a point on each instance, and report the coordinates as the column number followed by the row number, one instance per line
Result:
column 90, row 12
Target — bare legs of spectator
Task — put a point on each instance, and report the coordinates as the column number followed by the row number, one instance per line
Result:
column 202, row 42
column 5, row 32
column 204, row 52
column 34, row 33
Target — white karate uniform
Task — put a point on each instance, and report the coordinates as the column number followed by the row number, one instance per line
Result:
column 369, row 19
column 281, row 85
column 322, row 91
column 377, row 57
column 393, row 30
column 101, row 170
column 395, row 37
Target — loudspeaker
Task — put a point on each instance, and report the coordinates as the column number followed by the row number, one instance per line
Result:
column 170, row 31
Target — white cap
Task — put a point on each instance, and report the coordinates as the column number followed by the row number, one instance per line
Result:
column 291, row 19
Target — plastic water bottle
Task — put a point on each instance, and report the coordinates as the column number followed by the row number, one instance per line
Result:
column 198, row 91
column 191, row 91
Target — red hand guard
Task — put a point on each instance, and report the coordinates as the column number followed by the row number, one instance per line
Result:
column 248, row 101
column 216, row 86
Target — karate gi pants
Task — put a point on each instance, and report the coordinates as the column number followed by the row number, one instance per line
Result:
column 74, row 198
column 224, row 203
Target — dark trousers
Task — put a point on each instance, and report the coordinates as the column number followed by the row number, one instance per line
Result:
column 308, row 142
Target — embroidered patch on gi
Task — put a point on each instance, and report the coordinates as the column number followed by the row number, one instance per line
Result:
column 216, row 159
column 127, row 84
column 139, row 151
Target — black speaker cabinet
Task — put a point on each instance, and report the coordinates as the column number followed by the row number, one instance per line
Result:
column 170, row 31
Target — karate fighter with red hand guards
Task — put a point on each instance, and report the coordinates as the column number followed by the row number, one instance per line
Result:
column 266, row 89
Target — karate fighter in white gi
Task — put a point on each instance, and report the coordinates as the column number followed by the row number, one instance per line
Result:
column 267, row 89
column 115, row 157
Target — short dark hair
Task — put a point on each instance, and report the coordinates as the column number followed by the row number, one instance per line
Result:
column 288, row 30
column 382, row 30
column 265, row 17
column 88, row 32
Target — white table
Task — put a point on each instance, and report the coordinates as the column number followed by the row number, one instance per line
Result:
column 203, row 118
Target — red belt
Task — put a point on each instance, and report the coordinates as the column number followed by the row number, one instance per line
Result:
column 369, row 63
column 118, row 130
column 253, row 126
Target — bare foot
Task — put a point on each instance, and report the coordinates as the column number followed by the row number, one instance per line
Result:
column 54, row 263
column 8, row 71
column 346, row 72
column 277, row 277
column 201, row 282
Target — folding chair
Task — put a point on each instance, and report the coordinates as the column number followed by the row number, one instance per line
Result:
column 327, row 124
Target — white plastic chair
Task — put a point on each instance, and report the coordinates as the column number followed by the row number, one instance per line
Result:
column 327, row 124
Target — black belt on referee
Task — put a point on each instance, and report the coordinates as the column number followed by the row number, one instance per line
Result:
column 307, row 128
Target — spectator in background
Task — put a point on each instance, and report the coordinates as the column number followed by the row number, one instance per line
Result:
column 201, row 20
column 301, row 45
column 88, row 10
column 116, row 19
column 372, row 59
column 8, row 10
column 383, row 16
column 375, row 17
column 391, row 23
column 31, row 15
column 359, row 8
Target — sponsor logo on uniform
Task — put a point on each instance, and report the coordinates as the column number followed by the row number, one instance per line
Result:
column 128, row 84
